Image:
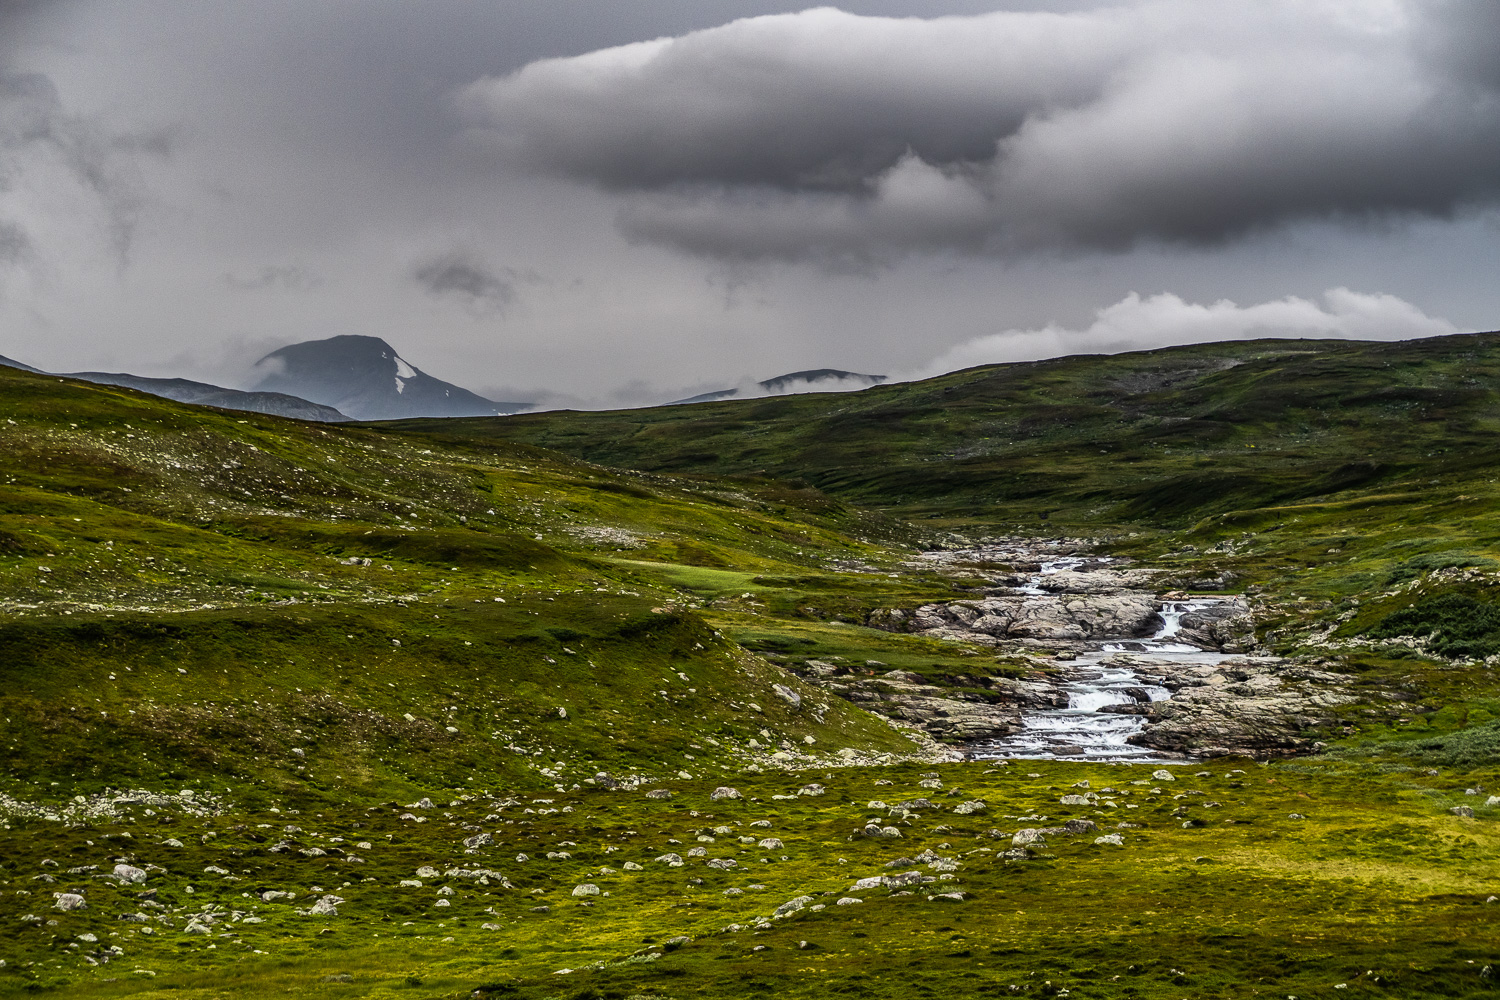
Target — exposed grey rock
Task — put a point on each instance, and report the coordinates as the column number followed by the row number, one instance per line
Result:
column 1110, row 838
column 1028, row 836
column 327, row 906
column 658, row 793
column 786, row 694
column 1462, row 811
column 970, row 808
column 724, row 792
column 792, row 906
column 129, row 874
column 722, row 863
column 70, row 901
column 586, row 889
column 477, row 841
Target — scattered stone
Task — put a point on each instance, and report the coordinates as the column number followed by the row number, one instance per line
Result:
column 848, row 901
column 947, row 897
column 658, row 793
column 631, row 866
column 971, row 807
column 129, row 874
column 1029, row 836
column 723, row 863
column 724, row 792
column 586, row 889
column 812, row 789
column 70, row 901
column 1464, row 811
column 792, row 906
column 1163, row 775
column 675, row 860
column 327, row 906
column 338, row 977
column 477, row 841
column 1111, row 838
column 786, row 694
column 1080, row 826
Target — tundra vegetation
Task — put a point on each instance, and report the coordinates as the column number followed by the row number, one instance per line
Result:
column 537, row 706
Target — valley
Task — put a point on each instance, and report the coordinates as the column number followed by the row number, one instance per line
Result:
column 1144, row 675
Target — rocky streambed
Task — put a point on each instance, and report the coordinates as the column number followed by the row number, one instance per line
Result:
column 1120, row 670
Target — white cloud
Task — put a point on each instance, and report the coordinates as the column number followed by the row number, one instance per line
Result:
column 1166, row 320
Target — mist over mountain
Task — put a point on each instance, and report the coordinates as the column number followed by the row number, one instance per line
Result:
column 365, row 378
column 812, row 380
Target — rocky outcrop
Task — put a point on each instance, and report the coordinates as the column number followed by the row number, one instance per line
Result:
column 953, row 714
column 1225, row 625
column 1046, row 617
column 1258, row 706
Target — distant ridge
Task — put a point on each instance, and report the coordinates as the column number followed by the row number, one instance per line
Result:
column 203, row 394
column 365, row 378
column 812, row 380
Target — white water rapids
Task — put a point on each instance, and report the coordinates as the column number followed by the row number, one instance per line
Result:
column 1081, row 731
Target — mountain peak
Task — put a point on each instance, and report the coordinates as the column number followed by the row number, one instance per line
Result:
column 367, row 379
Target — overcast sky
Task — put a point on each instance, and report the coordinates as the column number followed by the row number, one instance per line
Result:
column 614, row 203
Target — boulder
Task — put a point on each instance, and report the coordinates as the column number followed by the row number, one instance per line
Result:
column 724, row 792
column 70, row 901
column 327, row 906
column 792, row 906
column 586, row 889
column 130, row 874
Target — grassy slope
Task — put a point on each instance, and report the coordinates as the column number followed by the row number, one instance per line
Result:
column 217, row 544
column 1184, row 431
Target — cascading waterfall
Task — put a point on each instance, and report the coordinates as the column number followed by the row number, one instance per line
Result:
column 1081, row 731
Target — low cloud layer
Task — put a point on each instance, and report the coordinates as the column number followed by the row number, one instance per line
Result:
column 1166, row 320
column 829, row 136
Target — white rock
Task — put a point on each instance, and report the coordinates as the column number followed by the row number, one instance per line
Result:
column 586, row 889
column 848, row 901
column 1163, row 775
column 1113, row 839
column 70, row 901
column 129, row 873
column 326, row 907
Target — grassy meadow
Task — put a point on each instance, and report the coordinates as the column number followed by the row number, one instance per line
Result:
column 430, row 680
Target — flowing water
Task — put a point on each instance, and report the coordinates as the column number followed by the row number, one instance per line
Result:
column 1098, row 679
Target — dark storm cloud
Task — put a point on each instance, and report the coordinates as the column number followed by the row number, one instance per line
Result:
column 465, row 277
column 823, row 134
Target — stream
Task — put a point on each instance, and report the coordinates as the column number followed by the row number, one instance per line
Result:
column 1097, row 679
